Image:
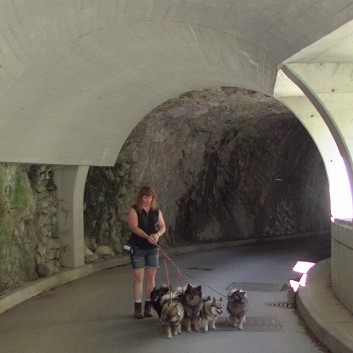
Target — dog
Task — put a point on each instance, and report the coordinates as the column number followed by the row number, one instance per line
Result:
column 211, row 309
column 172, row 313
column 156, row 296
column 192, row 302
column 237, row 306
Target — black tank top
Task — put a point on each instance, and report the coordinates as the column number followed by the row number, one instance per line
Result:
column 148, row 222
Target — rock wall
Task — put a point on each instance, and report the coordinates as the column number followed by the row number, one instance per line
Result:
column 227, row 164
column 29, row 245
column 48, row 244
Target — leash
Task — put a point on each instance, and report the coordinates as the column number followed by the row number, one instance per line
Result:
column 179, row 272
column 182, row 273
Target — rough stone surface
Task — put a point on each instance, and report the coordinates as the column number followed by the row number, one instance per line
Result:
column 104, row 252
column 29, row 243
column 227, row 164
column 48, row 242
column 90, row 256
column 17, row 227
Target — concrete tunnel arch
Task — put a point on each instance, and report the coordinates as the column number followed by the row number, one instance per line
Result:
column 335, row 152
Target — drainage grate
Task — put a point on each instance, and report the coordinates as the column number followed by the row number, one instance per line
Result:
column 282, row 305
column 200, row 268
column 251, row 324
column 258, row 287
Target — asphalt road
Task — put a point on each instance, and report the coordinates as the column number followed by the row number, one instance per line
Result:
column 94, row 314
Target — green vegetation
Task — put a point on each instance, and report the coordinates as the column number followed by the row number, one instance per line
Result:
column 17, row 233
column 22, row 196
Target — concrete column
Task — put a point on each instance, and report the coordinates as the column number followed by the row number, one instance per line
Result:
column 342, row 262
column 70, row 181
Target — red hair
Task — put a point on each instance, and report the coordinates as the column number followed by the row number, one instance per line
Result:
column 146, row 191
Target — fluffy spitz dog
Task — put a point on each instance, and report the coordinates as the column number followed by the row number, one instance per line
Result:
column 211, row 309
column 237, row 307
column 192, row 301
column 156, row 296
column 172, row 313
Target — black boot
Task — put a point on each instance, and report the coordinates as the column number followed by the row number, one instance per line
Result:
column 148, row 309
column 138, row 311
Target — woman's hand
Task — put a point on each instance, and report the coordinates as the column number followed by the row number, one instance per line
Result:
column 153, row 238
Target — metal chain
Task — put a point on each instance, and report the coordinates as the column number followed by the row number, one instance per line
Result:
column 167, row 272
column 168, row 280
column 179, row 272
column 184, row 274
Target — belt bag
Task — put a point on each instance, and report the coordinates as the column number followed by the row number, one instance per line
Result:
column 129, row 247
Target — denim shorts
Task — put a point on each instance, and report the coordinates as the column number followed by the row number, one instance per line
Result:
column 145, row 258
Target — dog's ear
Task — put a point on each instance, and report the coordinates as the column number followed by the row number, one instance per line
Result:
column 199, row 288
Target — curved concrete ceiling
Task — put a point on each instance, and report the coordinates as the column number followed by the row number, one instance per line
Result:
column 76, row 76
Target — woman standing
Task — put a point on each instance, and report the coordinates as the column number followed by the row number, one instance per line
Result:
column 146, row 223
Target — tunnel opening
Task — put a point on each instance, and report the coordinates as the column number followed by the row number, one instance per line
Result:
column 227, row 163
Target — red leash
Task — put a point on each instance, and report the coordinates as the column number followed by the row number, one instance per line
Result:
column 181, row 273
